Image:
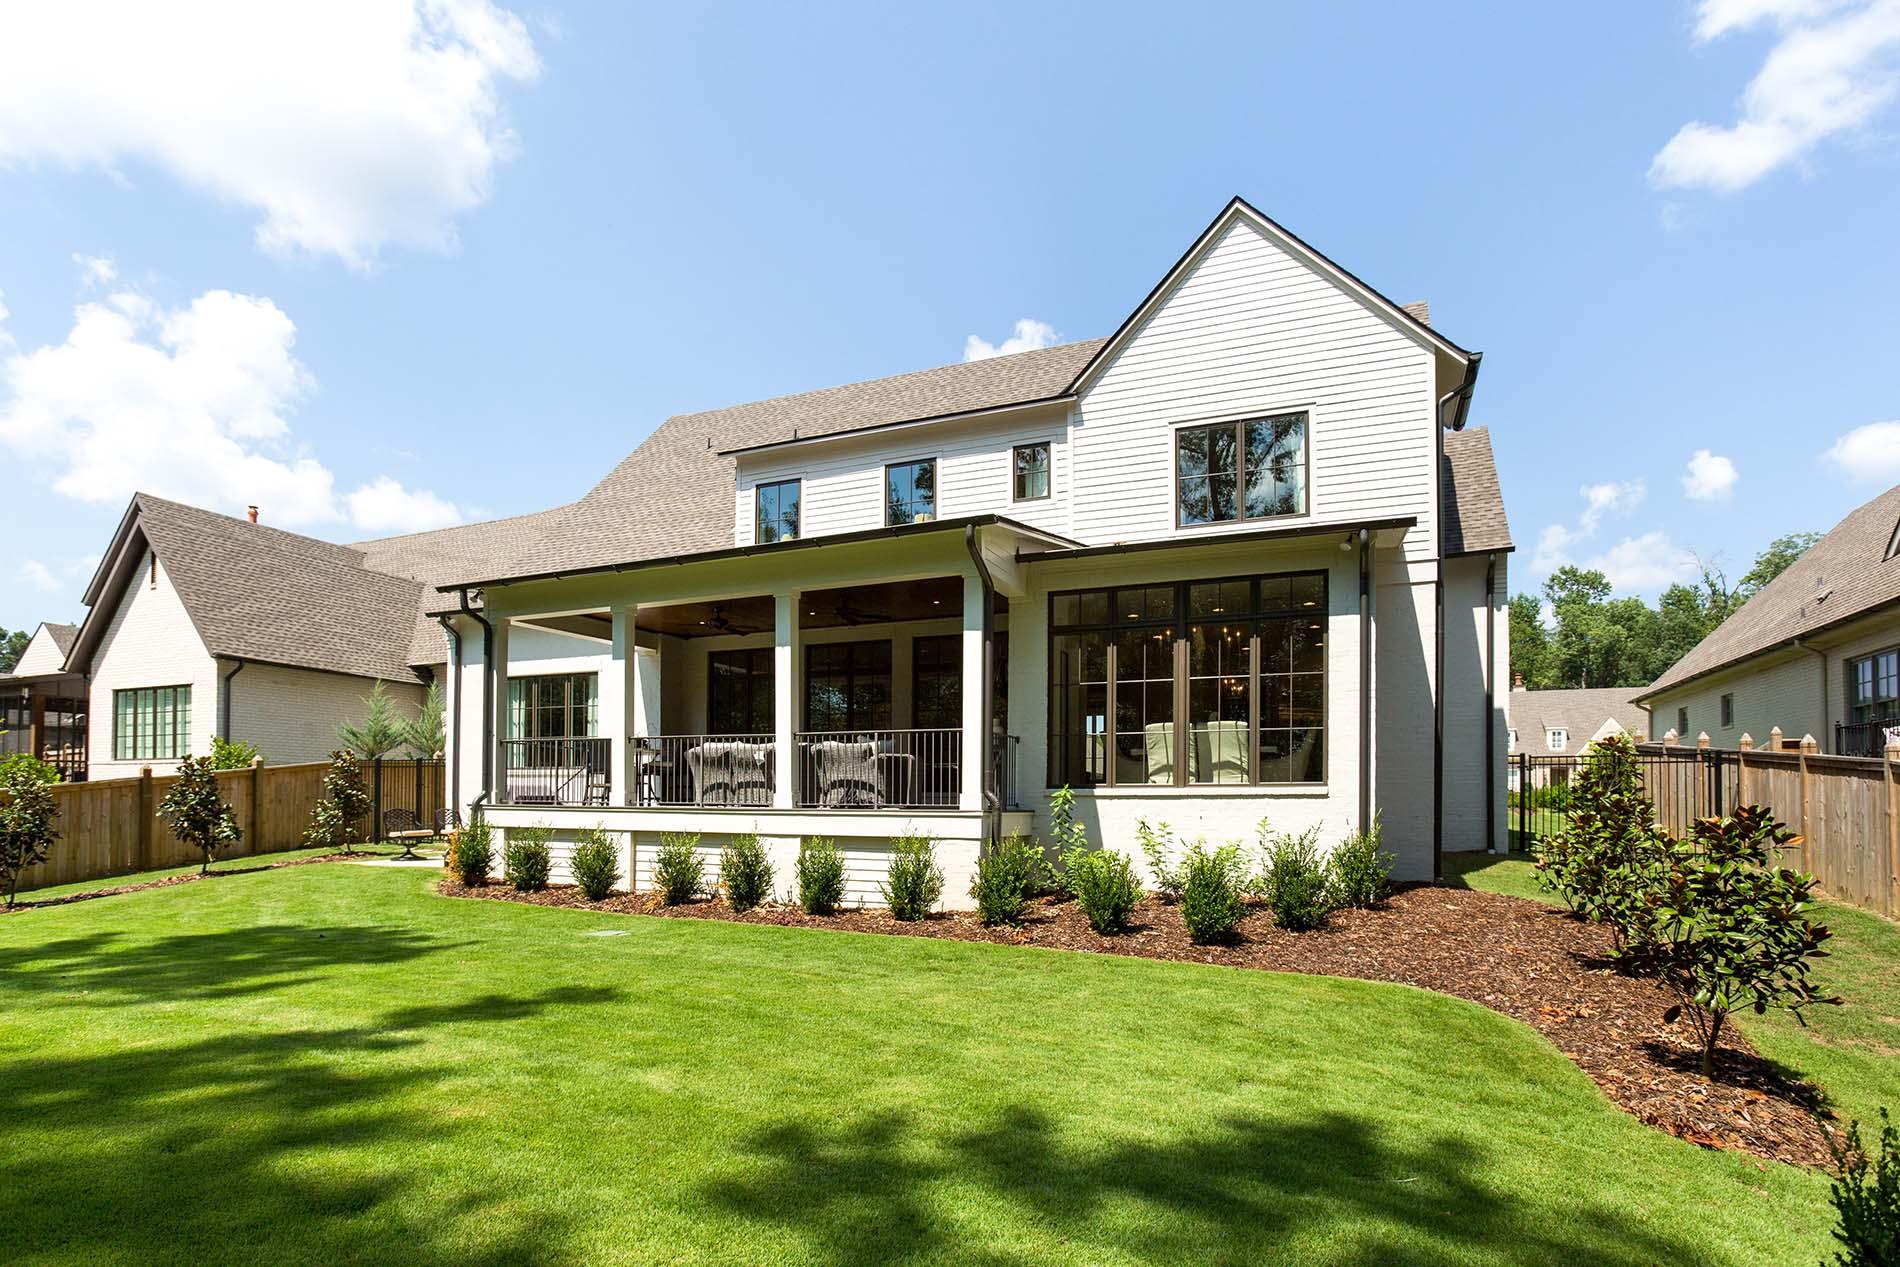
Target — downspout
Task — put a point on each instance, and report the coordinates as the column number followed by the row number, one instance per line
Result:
column 1459, row 400
column 224, row 700
column 992, row 797
column 488, row 706
column 1827, row 730
column 1490, row 703
column 455, row 693
column 1365, row 680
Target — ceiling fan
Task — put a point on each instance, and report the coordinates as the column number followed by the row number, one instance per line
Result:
column 850, row 615
column 718, row 623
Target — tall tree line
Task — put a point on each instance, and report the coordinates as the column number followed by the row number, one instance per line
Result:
column 1601, row 640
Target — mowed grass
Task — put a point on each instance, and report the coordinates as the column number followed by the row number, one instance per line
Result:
column 332, row 1064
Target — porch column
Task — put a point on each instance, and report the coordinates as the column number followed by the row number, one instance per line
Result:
column 498, row 658
column 975, row 756
column 787, row 650
column 618, row 690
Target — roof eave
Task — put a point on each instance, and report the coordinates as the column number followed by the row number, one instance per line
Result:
column 1791, row 642
column 877, row 428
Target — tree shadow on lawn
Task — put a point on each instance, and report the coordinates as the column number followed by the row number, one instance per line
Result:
column 1242, row 1191
column 114, row 968
column 282, row 1146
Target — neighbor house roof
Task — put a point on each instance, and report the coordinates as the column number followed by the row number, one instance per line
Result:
column 1848, row 573
column 1473, row 504
column 1579, row 712
column 62, row 635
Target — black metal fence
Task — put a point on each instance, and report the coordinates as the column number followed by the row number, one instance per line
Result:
column 1863, row 738
column 404, row 793
column 555, row 771
column 1685, row 784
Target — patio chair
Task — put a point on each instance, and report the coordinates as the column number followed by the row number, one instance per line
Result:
column 736, row 772
column 1219, row 753
column 1158, row 748
column 847, row 774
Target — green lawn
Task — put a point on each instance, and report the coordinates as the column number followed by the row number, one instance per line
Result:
column 331, row 1064
column 224, row 864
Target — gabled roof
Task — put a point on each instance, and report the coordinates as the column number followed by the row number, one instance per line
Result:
column 1847, row 574
column 62, row 635
column 1580, row 712
column 1473, row 509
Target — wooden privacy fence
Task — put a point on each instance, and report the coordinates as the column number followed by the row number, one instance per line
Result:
column 112, row 827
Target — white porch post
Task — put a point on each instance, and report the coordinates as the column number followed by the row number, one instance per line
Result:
column 786, row 649
column 498, row 790
column 618, row 690
column 975, row 743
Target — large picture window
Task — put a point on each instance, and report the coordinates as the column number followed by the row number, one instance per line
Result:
column 910, row 492
column 1873, row 687
column 848, row 686
column 1196, row 682
column 151, row 723
column 1252, row 469
column 740, row 689
column 552, row 706
column 775, row 512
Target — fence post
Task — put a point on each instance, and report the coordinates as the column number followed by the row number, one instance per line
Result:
column 1742, row 750
column 1807, row 805
column 376, row 799
column 257, row 804
column 1893, row 827
column 1774, row 740
column 145, row 818
column 1704, row 788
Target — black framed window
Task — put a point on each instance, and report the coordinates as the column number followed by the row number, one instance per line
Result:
column 936, row 681
column 1230, row 471
column 1682, row 721
column 1194, row 682
column 552, row 706
column 741, row 692
column 1029, row 471
column 1728, row 710
column 1873, row 687
column 775, row 512
column 910, row 492
column 848, row 686
column 151, row 723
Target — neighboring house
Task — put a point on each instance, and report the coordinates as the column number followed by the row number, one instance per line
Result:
column 42, row 707
column 1565, row 722
column 1817, row 651
column 1203, row 572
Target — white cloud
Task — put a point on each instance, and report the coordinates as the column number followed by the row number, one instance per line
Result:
column 39, row 576
column 1869, row 454
column 1710, row 478
column 191, row 403
column 351, row 125
column 96, row 270
column 1648, row 561
column 1030, row 334
column 1835, row 65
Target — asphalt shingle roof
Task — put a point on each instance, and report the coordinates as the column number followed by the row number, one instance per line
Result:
column 1473, row 503
column 62, row 635
column 1845, row 574
column 1579, row 712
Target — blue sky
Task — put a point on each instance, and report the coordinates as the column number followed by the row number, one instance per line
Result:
column 377, row 272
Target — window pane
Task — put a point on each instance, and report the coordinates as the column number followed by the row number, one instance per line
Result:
column 1276, row 466
column 1031, row 471
column 1078, row 709
column 1220, row 598
column 1219, row 696
column 1090, row 608
column 1153, row 602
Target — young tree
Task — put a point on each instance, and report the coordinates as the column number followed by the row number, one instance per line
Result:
column 1530, row 640
column 196, row 813
column 1605, row 862
column 380, row 731
column 27, row 815
column 423, row 734
column 231, row 754
column 344, row 803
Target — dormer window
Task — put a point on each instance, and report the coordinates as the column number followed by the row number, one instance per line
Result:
column 1557, row 738
column 1231, row 471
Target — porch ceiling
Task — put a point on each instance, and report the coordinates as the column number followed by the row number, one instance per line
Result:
column 844, row 607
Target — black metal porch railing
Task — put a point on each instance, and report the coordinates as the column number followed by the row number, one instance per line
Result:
column 1863, row 738
column 555, row 772
column 879, row 769
column 716, row 771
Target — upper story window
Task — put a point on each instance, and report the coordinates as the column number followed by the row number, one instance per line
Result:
column 910, row 492
column 1873, row 687
column 1029, row 466
column 151, row 723
column 1253, row 469
column 1557, row 738
column 775, row 512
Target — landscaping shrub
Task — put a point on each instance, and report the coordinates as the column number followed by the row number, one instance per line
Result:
column 1211, row 902
column 746, row 872
column 231, row 754
column 1730, row 930
column 1071, row 838
column 339, row 813
column 1866, row 1196
column 1103, row 882
column 678, row 870
column 820, row 875
column 27, row 814
column 913, row 880
column 473, row 848
column 1361, row 870
column 595, row 864
column 197, row 814
column 526, row 858
column 24, row 765
column 1295, row 882
column 1169, row 876
column 1605, row 863
column 1007, row 872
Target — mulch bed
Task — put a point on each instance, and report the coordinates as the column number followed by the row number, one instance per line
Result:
column 1525, row 960
column 27, row 904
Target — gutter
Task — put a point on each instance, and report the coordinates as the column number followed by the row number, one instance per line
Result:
column 1459, row 398
column 488, row 708
column 1489, row 736
column 224, row 700
column 455, row 692
column 992, row 794
column 1827, row 730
